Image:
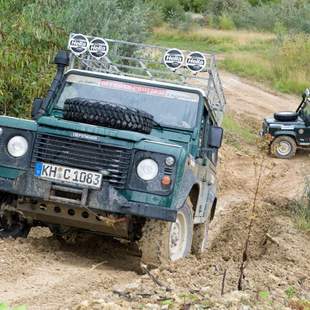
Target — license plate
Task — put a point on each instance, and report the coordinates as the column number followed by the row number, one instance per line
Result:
column 68, row 175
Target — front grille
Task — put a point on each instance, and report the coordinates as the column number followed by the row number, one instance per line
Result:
column 84, row 155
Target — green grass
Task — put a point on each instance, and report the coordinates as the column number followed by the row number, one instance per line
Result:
column 280, row 63
column 246, row 67
column 301, row 210
column 235, row 134
column 6, row 307
column 184, row 41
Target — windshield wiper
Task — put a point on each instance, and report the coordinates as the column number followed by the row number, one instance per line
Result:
column 156, row 124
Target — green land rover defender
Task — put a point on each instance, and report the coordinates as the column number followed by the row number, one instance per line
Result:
column 125, row 144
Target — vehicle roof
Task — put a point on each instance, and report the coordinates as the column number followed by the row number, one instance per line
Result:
column 147, row 64
column 138, row 80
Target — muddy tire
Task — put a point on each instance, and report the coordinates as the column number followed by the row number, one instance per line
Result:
column 162, row 242
column 64, row 234
column 107, row 114
column 13, row 225
column 200, row 238
column 283, row 147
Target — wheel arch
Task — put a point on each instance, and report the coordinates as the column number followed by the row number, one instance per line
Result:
column 213, row 209
column 194, row 196
column 286, row 134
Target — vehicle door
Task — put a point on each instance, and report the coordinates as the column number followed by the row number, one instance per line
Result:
column 206, row 162
column 304, row 133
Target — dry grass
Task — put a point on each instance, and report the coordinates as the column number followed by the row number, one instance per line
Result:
column 241, row 37
column 281, row 63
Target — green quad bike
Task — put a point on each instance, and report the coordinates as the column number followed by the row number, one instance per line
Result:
column 124, row 144
column 288, row 131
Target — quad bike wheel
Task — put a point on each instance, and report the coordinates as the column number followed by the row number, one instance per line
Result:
column 13, row 225
column 283, row 147
column 162, row 241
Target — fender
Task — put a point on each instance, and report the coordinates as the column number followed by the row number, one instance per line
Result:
column 188, row 181
column 289, row 133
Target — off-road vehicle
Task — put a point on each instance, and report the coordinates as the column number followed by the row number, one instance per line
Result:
column 288, row 131
column 124, row 144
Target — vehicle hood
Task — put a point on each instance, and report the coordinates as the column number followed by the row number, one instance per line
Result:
column 88, row 131
column 272, row 121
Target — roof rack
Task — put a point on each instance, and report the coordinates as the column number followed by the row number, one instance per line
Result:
column 148, row 62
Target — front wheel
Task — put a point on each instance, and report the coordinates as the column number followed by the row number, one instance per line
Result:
column 162, row 242
column 283, row 147
column 13, row 225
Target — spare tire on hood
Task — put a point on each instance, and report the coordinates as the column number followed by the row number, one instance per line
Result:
column 107, row 114
column 286, row 116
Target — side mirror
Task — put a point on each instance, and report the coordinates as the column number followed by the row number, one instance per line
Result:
column 306, row 93
column 215, row 137
column 62, row 59
column 36, row 106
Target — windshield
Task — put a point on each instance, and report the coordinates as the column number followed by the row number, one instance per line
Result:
column 169, row 107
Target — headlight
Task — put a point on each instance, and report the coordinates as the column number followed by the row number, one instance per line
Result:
column 17, row 146
column 147, row 169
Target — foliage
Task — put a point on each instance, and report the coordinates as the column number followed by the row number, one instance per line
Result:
column 301, row 212
column 235, row 134
column 279, row 61
column 291, row 63
column 284, row 66
column 290, row 292
column 292, row 14
column 220, row 7
column 31, row 31
column 262, row 15
column 6, row 307
column 194, row 5
column 226, row 23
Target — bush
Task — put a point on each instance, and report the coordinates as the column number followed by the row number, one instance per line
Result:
column 301, row 209
column 171, row 10
column 33, row 30
column 291, row 63
column 220, row 7
column 226, row 23
column 264, row 15
column 292, row 14
column 197, row 6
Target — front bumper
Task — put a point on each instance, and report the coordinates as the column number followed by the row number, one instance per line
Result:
column 107, row 199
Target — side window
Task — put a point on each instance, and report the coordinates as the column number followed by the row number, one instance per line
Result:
column 204, row 130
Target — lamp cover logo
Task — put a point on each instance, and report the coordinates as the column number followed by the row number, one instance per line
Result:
column 78, row 44
column 174, row 59
column 98, row 48
column 196, row 61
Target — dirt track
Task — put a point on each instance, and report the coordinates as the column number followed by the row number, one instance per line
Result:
column 45, row 274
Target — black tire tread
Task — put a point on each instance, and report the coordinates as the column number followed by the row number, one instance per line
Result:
column 107, row 114
column 154, row 244
column 277, row 140
column 286, row 116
